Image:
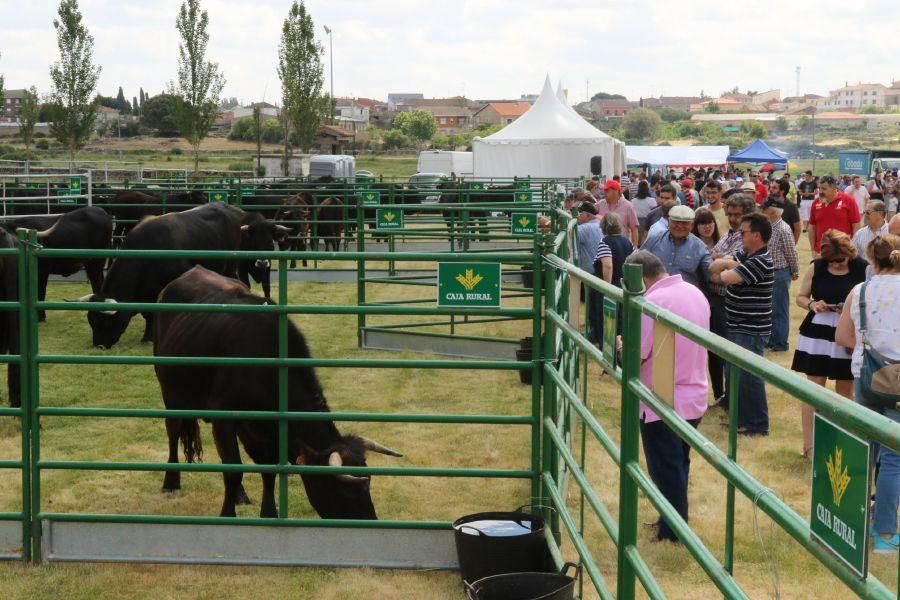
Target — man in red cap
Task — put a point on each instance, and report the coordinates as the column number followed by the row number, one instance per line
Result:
column 762, row 190
column 690, row 195
column 616, row 203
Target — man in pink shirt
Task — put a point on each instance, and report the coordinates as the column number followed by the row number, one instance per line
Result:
column 668, row 456
column 622, row 207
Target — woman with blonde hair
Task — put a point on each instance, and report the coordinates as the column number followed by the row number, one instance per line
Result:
column 880, row 298
column 822, row 292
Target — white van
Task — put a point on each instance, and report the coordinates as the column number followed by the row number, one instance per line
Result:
column 339, row 166
column 447, row 162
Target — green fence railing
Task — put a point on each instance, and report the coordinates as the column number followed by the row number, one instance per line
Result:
column 565, row 394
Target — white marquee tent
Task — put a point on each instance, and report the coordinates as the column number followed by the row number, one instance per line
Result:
column 550, row 140
column 678, row 156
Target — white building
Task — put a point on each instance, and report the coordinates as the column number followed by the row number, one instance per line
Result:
column 854, row 96
column 265, row 109
column 351, row 115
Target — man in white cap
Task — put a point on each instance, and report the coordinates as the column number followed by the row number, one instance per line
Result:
column 681, row 252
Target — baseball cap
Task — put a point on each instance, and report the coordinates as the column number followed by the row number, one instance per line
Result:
column 771, row 201
column 612, row 184
column 681, row 213
column 749, row 186
column 587, row 207
column 687, row 182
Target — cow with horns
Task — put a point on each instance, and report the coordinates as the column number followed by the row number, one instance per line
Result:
column 252, row 388
column 213, row 226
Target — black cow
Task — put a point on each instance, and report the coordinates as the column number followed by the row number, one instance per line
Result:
column 87, row 228
column 254, row 388
column 213, row 226
column 131, row 206
column 259, row 234
column 295, row 212
column 330, row 223
column 478, row 218
column 9, row 319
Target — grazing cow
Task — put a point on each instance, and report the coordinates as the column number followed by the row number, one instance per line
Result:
column 295, row 211
column 231, row 388
column 330, row 223
column 213, row 226
column 9, row 319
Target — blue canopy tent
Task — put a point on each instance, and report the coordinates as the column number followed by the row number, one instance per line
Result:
column 759, row 152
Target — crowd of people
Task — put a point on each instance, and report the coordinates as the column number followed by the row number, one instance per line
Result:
column 719, row 248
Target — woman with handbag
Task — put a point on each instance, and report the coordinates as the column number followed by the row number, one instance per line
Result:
column 871, row 328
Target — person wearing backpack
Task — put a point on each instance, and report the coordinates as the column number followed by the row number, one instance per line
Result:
column 872, row 329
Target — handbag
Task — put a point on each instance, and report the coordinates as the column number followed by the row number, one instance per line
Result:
column 879, row 377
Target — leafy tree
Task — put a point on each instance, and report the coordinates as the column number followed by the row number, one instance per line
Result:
column 395, row 138
column 229, row 103
column 870, row 109
column 123, row 105
column 158, row 114
column 2, row 94
column 73, row 80
column 301, row 71
column 135, row 107
column 781, row 125
column 804, row 123
column 712, row 107
column 28, row 116
column 671, row 115
column 605, row 96
column 199, row 81
column 641, row 124
column 419, row 125
column 48, row 111
column 142, row 97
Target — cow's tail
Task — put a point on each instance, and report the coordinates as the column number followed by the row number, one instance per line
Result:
column 189, row 433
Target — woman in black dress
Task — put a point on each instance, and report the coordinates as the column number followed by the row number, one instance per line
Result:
column 822, row 292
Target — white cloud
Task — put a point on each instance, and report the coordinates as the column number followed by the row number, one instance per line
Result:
column 493, row 49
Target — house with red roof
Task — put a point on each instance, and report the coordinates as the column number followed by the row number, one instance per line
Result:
column 502, row 113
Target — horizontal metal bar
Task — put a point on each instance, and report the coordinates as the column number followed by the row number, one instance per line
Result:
column 11, row 464
column 279, row 309
column 64, row 465
column 644, row 574
column 197, row 520
column 10, row 412
column 582, row 342
column 258, row 415
column 505, row 257
column 590, row 280
column 10, row 516
column 362, row 363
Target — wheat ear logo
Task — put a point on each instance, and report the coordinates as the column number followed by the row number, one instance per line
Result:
column 370, row 197
column 523, row 197
column 837, row 476
column 524, row 221
column 389, row 217
column 470, row 280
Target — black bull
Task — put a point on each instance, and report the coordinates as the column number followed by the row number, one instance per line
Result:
column 251, row 388
column 452, row 194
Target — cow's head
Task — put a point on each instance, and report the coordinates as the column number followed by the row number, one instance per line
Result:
column 108, row 325
column 341, row 496
column 261, row 236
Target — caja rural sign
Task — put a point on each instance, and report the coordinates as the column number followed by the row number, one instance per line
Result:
column 469, row 284
column 370, row 197
column 523, row 224
column 840, row 493
column 388, row 218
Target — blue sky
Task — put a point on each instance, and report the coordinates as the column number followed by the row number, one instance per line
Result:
column 485, row 48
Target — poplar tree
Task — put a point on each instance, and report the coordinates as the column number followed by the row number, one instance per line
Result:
column 199, row 81
column 28, row 116
column 301, row 70
column 2, row 93
column 73, row 80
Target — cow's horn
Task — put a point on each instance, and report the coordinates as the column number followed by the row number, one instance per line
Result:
column 376, row 447
column 335, row 460
column 86, row 298
column 245, row 227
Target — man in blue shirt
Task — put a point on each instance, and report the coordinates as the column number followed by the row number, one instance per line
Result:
column 680, row 251
column 589, row 238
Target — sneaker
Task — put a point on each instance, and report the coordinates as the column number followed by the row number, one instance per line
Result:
column 883, row 546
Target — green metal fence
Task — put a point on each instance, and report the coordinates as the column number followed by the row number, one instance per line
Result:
column 32, row 414
column 565, row 394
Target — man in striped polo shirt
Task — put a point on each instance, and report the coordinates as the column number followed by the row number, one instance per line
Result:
column 748, row 306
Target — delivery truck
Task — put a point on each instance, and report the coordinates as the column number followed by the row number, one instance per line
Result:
column 447, row 162
column 865, row 163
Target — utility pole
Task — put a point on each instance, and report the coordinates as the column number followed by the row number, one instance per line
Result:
column 331, row 68
column 798, row 80
column 587, row 90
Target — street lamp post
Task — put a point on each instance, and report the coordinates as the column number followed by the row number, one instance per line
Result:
column 331, row 67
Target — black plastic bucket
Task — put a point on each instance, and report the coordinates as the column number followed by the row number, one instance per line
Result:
column 524, row 356
column 525, row 586
column 492, row 543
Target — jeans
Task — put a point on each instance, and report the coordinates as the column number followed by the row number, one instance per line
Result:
column 595, row 316
column 780, row 310
column 669, row 465
column 753, row 409
column 718, row 325
column 887, row 486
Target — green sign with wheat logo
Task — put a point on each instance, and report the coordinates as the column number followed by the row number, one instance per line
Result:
column 388, row 218
column 218, row 196
column 370, row 197
column 523, row 224
column 524, row 196
column 469, row 284
column 840, row 493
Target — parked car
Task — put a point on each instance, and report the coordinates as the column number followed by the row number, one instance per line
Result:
column 427, row 182
column 364, row 176
column 807, row 154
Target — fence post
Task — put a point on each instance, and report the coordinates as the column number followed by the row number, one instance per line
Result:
column 282, row 390
column 628, row 490
column 25, row 365
column 360, row 269
column 536, row 367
